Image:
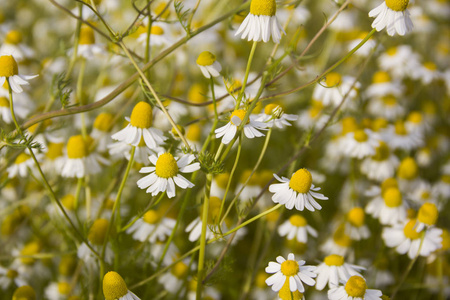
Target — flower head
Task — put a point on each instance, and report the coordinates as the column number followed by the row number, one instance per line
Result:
column 9, row 71
column 251, row 127
column 394, row 15
column 354, row 288
column 208, row 64
column 114, row 287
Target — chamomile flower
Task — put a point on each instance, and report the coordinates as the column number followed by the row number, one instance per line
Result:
column 426, row 73
column 296, row 227
column 151, row 227
column 408, row 174
column 340, row 243
column 355, row 288
column 115, row 288
column 405, row 239
column 208, row 64
column 400, row 61
column 21, row 111
column 334, row 269
column 58, row 290
column 261, row 23
column 423, row 193
column 354, row 225
column 10, row 276
column 365, row 49
column 381, row 165
column 299, row 191
column 274, row 116
column 360, row 143
column 96, row 236
column 251, row 128
column 166, row 173
column 174, row 279
column 141, row 153
column 313, row 117
column 295, row 272
column 390, row 208
column 158, row 35
column 387, row 107
column 9, row 71
column 427, row 216
column 399, row 137
column 195, row 227
column 140, row 126
column 21, row 165
column 334, row 88
column 13, row 43
column 100, row 130
column 383, row 85
column 392, row 15
column 24, row 292
column 87, row 47
column 286, row 294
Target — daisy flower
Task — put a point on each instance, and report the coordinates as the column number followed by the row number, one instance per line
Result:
column 299, row 191
column 394, row 15
column 158, row 35
column 354, row 226
column 151, row 227
column 355, row 288
column 408, row 174
column 427, row 216
column 195, row 227
column 140, row 126
column 313, row 117
column 141, row 153
column 261, row 23
column 250, row 128
column 100, row 130
column 96, row 237
column 87, row 47
column 115, row 288
column 292, row 271
column 399, row 61
column 296, row 227
column 333, row 89
column 423, row 193
column 381, row 165
column 286, row 294
column 20, row 110
column 219, row 184
column 21, row 166
column 399, row 137
column 10, row 276
column 360, row 143
column 13, row 43
column 334, row 269
column 387, row 107
column 340, row 243
column 25, row 292
column 9, row 71
column 390, row 208
column 406, row 239
column 366, row 48
column 174, row 279
column 166, row 173
column 383, row 85
column 426, row 73
column 58, row 290
column 274, row 116
column 208, row 64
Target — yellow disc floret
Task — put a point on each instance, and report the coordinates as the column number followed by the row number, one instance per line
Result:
column 13, row 37
column 180, row 270
column 24, row 292
column 222, row 180
column 397, row 5
column 298, row 221
column 290, row 268
column 334, row 260
column 392, row 197
column 87, row 36
column 301, row 181
column 206, row 58
column 156, row 30
column 141, row 116
column 64, row 288
column 97, row 233
column 271, row 108
column 381, row 77
column 389, row 100
column 114, row 287
column 166, row 166
column 409, row 230
column 415, row 117
column 356, row 286
column 349, row 125
column 356, row 216
column 151, row 217
column 408, row 169
column 382, row 152
column 54, row 150
column 360, row 136
column 400, row 128
column 4, row 102
column 428, row 214
column 263, row 7
column 333, row 79
column 194, row 133
column 430, row 66
column 76, row 147
column 240, row 113
column 388, row 183
column 30, row 249
column 8, row 66
column 68, row 201
column 286, row 294
column 103, row 122
column 23, row 157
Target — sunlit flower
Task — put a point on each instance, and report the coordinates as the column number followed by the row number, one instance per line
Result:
column 355, row 288
column 58, row 290
column 24, row 292
column 87, row 47
column 334, row 269
column 390, row 208
column 299, row 191
column 340, row 243
column 208, row 64
column 360, row 143
column 381, row 165
column 158, row 35
column 274, row 116
column 175, row 277
column 261, row 23
column 195, row 227
column 333, row 89
column 383, row 85
column 296, row 227
column 21, row 165
column 115, row 288
column 251, row 128
column 354, row 225
column 400, row 61
column 10, row 276
column 387, row 107
column 292, row 271
column 97, row 236
column 394, row 15
column 151, row 227
column 100, row 130
column 9, row 71
column 166, row 173
column 398, row 136
column 427, row 216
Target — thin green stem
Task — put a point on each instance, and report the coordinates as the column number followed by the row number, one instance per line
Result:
column 216, row 118
column 247, row 72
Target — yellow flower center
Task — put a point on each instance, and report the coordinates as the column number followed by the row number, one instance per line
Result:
column 151, row 217
column 180, row 270
column 392, row 51
column 12, row 274
column 180, row 128
column 397, row 5
column 356, row 286
column 103, row 122
column 13, row 37
column 430, row 66
column 316, row 109
column 356, row 216
column 263, row 7
column 286, row 294
column 87, row 36
column 428, row 214
column 4, row 102
column 273, row 216
column 289, row 267
column 64, row 288
column 8, row 66
column 166, row 166
column 341, row 239
column 334, row 260
column 157, row 30
column 24, row 292
column 114, row 287
column 197, row 93
column 425, row 196
column 222, row 180
column 409, row 230
column 387, row 184
column 333, row 79
column 361, row 136
column 141, row 116
column 270, row 108
column 240, row 113
column 68, row 201
column 23, row 157
column 382, row 152
column 76, row 147
column 415, row 117
column 31, row 248
column 400, row 128
column 194, row 133
column 349, row 125
column 97, row 233
column 408, row 169
column 298, row 221
column 246, row 174
column 260, row 280
column 55, row 150
column 389, row 100
column 381, row 77
column 206, row 58
column 445, row 179
column 379, row 123
column 160, row 8
column 301, row 181
column 392, row 197
column 67, row 265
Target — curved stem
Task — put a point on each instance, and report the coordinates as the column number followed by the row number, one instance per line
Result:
column 247, row 72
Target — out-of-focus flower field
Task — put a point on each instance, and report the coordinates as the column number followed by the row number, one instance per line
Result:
column 206, row 149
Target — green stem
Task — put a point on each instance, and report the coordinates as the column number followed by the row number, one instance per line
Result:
column 216, row 118
column 247, row 72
